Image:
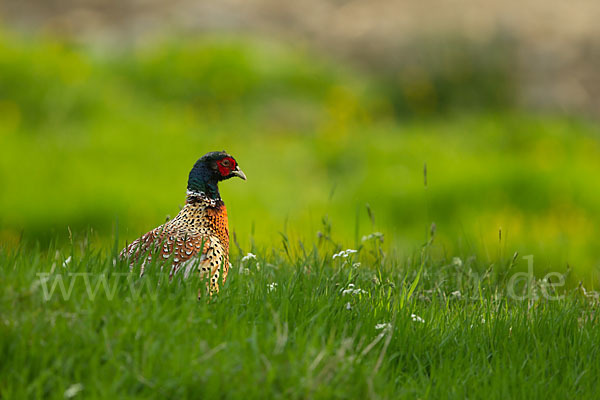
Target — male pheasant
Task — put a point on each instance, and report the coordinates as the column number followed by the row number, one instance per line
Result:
column 199, row 235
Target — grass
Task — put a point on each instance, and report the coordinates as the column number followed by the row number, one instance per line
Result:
column 282, row 327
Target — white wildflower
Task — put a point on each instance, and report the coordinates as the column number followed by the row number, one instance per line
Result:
column 385, row 326
column 354, row 291
column 73, row 390
column 416, row 318
column 272, row 286
column 244, row 271
column 456, row 294
column 351, row 290
column 344, row 253
column 67, row 262
column 249, row 256
column 456, row 261
column 348, row 306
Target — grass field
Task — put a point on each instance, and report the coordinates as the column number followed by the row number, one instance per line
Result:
column 293, row 323
column 475, row 225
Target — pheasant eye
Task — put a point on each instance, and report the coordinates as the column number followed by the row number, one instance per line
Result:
column 226, row 163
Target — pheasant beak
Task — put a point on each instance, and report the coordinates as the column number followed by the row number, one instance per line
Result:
column 238, row 172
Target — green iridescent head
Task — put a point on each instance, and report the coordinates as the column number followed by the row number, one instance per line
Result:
column 209, row 170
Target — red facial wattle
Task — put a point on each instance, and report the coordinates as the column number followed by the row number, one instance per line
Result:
column 225, row 170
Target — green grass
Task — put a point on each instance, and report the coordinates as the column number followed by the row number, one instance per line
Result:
column 302, row 339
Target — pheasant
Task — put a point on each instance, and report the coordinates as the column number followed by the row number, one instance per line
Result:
column 199, row 235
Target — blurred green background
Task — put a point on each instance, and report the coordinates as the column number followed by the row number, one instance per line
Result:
column 102, row 135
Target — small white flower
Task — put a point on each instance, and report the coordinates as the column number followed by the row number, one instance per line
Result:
column 73, row 390
column 348, row 306
column 356, row 265
column 416, row 318
column 244, row 271
column 457, row 262
column 248, row 256
column 344, row 253
column 272, row 286
column 385, row 326
column 456, row 294
column 67, row 262
column 351, row 290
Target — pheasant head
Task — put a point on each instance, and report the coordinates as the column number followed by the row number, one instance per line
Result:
column 209, row 170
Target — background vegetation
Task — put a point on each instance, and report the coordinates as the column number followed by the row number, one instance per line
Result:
column 104, row 139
